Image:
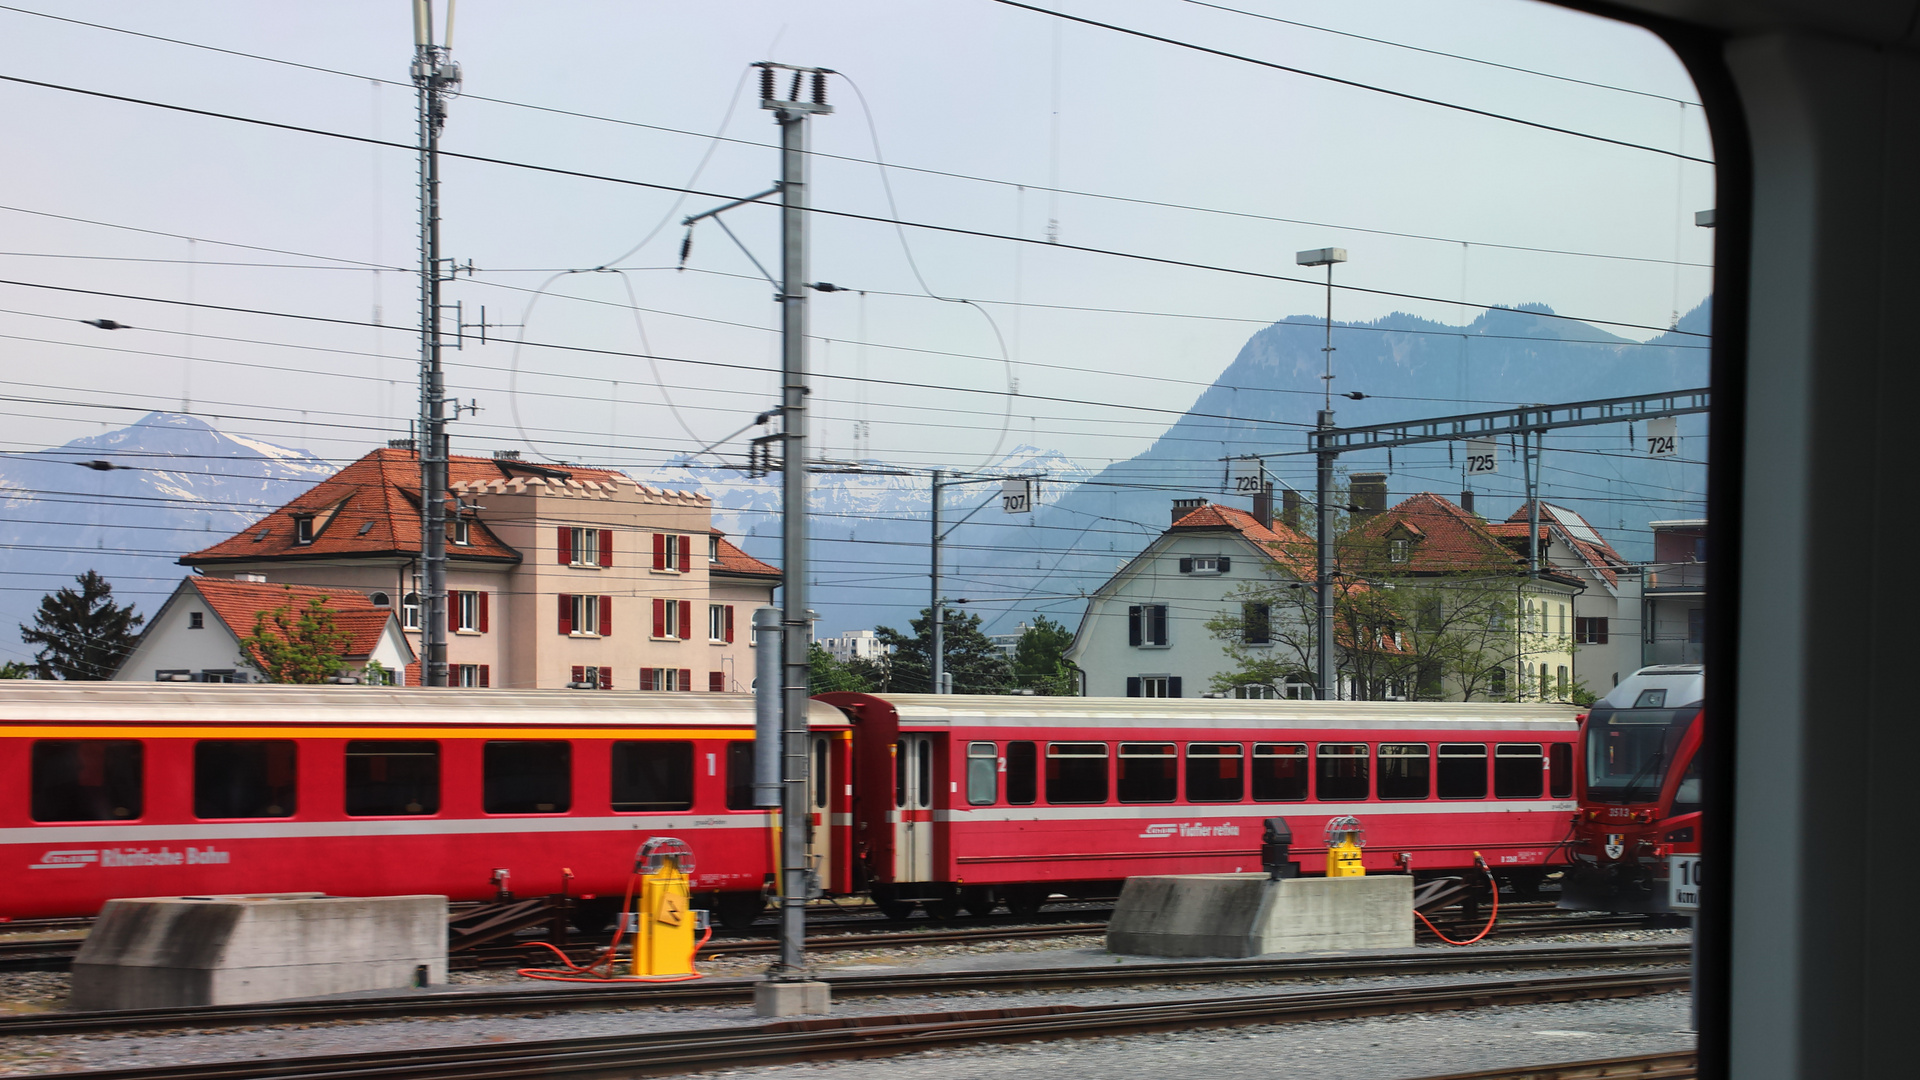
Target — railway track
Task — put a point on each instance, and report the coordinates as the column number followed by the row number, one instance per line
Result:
column 555, row 997
column 1681, row 1065
column 827, row 1038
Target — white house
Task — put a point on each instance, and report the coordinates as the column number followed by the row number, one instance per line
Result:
column 195, row 636
column 1606, row 614
column 1144, row 633
column 856, row 645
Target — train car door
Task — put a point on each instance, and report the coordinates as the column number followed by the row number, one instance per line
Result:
column 820, row 777
column 913, row 808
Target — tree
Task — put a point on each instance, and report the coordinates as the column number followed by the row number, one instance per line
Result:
column 84, row 634
column 976, row 664
column 1040, row 660
column 296, row 647
column 14, row 669
column 827, row 673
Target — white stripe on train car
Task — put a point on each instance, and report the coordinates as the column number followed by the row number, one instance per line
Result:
column 380, row 827
column 1189, row 811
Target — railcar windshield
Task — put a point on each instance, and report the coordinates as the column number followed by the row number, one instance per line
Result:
column 1630, row 750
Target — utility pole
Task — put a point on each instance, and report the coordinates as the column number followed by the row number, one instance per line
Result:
column 1323, row 489
column 936, row 614
column 435, row 77
column 796, row 879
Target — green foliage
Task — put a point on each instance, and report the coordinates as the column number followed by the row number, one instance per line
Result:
column 826, row 673
column 14, row 669
column 976, row 665
column 1040, row 660
column 296, row 647
column 378, row 674
column 84, row 634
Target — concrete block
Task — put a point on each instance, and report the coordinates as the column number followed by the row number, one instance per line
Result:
column 160, row 952
column 791, row 999
column 1249, row 915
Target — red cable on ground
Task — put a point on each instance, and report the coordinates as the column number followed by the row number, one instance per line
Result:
column 1495, row 914
column 600, row 968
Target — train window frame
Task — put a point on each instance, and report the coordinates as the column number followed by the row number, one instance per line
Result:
column 739, row 786
column 1164, row 788
column 1297, row 753
column 1199, row 787
column 391, row 749
column 1402, row 786
column 1560, row 770
column 281, row 800
column 1330, row 754
column 900, row 755
column 820, row 779
column 983, row 773
column 923, row 772
column 516, row 764
column 1065, row 775
column 1023, row 772
column 1535, row 773
column 628, row 776
column 1444, row 777
column 113, row 789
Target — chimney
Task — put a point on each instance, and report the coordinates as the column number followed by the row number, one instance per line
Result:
column 1466, row 501
column 1291, row 510
column 399, row 444
column 1263, row 506
column 506, row 455
column 1183, row 507
column 1369, row 492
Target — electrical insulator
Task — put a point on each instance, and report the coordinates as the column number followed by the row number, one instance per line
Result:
column 766, row 84
column 686, row 247
column 793, row 92
column 819, row 88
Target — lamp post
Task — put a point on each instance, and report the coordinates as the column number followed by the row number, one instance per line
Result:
column 1323, row 495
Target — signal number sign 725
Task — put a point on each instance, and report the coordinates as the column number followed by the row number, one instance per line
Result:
column 1481, row 463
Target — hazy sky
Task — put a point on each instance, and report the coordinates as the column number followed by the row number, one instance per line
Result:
column 966, row 87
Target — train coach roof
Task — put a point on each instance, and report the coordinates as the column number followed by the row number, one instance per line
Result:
column 30, row 701
column 1177, row 713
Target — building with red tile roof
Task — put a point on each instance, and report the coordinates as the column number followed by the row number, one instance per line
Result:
column 197, row 634
column 558, row 575
column 1607, row 612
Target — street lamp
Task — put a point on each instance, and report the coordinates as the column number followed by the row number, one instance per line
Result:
column 1323, row 539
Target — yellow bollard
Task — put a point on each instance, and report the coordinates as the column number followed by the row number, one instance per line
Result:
column 664, row 934
column 1345, row 838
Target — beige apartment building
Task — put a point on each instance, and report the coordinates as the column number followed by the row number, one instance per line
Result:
column 558, row 576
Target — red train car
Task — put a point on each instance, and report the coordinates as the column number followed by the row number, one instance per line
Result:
column 963, row 801
column 121, row 789
column 1639, row 794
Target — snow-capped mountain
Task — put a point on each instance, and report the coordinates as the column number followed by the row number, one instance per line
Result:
column 176, row 485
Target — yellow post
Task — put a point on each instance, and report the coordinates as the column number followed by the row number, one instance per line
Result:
column 1345, row 838
column 663, row 936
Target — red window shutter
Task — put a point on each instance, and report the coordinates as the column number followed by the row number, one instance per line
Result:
column 566, row 545
column 686, row 679
column 686, row 554
column 566, row 614
column 646, row 678
column 659, row 551
column 453, row 612
column 606, row 615
column 483, row 611
column 729, row 624
column 716, row 681
column 606, row 678
column 486, row 676
column 606, row 547
column 579, row 674
column 686, row 619
column 659, row 618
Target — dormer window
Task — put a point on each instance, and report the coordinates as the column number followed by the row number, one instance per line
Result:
column 196, row 620
column 1397, row 549
column 461, row 531
column 713, row 549
column 303, row 529
column 1206, row 564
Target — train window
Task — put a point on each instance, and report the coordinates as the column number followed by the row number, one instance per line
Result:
column 391, row 777
column 1463, row 770
column 1517, row 772
column 652, row 775
column 1343, row 772
column 527, row 777
column 1686, row 798
column 1023, row 773
column 1213, row 772
column 740, row 775
column 1279, row 772
column 822, row 778
column 900, row 752
column 983, row 776
column 1404, row 770
column 1076, row 772
column 1148, row 773
column 923, row 770
column 243, row 778
column 86, row 779
column 1560, row 771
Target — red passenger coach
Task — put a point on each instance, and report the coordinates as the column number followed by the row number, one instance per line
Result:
column 963, row 801
column 123, row 789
